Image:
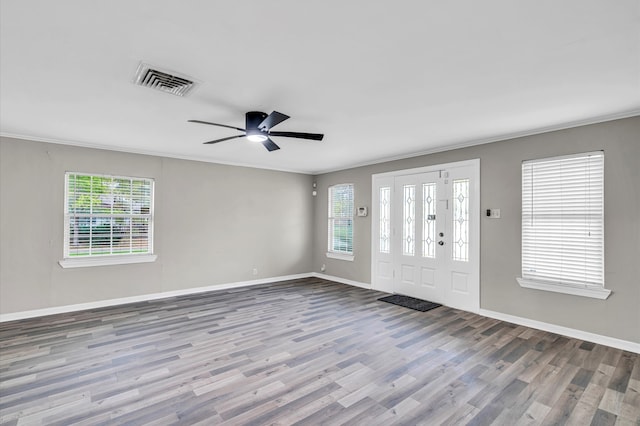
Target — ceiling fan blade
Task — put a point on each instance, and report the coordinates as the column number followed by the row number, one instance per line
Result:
column 312, row 136
column 272, row 120
column 224, row 139
column 270, row 145
column 216, row 124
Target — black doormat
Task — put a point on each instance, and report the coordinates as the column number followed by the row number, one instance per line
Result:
column 410, row 302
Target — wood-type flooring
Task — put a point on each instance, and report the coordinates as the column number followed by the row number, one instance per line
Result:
column 304, row 352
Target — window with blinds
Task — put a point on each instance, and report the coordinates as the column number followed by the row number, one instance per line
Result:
column 341, row 219
column 563, row 221
column 107, row 216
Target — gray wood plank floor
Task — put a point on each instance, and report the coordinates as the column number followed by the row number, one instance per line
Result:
column 305, row 352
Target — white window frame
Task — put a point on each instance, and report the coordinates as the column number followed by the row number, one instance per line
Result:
column 331, row 253
column 69, row 261
column 531, row 278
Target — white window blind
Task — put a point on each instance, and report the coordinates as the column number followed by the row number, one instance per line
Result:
column 107, row 216
column 341, row 219
column 563, row 220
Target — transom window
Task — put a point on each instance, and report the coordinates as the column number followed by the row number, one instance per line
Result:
column 107, row 216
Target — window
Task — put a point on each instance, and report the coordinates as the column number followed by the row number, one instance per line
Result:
column 429, row 219
column 563, row 224
column 385, row 219
column 408, row 220
column 341, row 222
column 460, row 241
column 107, row 220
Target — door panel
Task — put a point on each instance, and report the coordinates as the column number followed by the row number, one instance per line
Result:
column 416, row 214
column 428, row 277
column 385, row 269
column 459, row 282
column 407, row 275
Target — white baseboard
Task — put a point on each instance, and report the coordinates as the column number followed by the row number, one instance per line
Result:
column 341, row 280
column 142, row 298
column 565, row 331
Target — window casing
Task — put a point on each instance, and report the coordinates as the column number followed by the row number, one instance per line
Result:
column 563, row 224
column 107, row 220
column 340, row 224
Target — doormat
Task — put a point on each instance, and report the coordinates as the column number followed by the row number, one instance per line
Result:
column 410, row 302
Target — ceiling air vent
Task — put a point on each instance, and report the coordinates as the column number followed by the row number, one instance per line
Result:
column 163, row 80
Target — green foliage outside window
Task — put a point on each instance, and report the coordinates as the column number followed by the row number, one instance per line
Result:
column 107, row 215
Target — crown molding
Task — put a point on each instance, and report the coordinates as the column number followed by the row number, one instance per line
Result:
column 443, row 148
column 128, row 150
column 498, row 138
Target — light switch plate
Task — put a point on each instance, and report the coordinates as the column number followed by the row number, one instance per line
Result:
column 493, row 213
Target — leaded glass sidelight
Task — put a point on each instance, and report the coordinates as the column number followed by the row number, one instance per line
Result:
column 409, row 220
column 460, row 241
column 429, row 218
column 385, row 220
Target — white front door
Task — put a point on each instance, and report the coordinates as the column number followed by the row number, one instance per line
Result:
column 417, row 210
column 425, row 234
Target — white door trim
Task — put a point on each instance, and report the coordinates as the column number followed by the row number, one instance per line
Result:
column 377, row 179
column 425, row 169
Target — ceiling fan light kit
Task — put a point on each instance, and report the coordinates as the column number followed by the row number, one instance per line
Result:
column 256, row 138
column 258, row 129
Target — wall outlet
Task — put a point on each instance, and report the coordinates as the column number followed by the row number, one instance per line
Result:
column 255, row 271
column 323, row 268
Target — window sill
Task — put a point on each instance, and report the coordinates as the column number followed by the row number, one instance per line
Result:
column 340, row 256
column 84, row 262
column 593, row 292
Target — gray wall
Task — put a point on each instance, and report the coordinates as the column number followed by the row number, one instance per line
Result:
column 500, row 164
column 213, row 224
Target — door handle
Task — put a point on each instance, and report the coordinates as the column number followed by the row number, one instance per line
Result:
column 441, row 243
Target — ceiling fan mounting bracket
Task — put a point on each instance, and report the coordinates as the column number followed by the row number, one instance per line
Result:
column 253, row 119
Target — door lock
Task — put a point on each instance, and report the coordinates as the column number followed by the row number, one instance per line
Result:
column 441, row 234
column 441, row 243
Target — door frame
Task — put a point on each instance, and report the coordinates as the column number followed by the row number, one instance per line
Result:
column 474, row 248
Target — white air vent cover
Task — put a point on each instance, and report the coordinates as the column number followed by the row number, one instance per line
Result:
column 163, row 80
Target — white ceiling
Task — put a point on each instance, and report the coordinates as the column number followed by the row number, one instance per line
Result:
column 380, row 79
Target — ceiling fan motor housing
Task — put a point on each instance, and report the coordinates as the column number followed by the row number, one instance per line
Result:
column 253, row 120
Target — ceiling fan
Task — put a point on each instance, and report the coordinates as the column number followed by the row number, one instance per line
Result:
column 258, row 129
